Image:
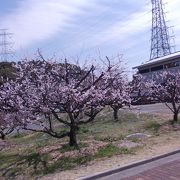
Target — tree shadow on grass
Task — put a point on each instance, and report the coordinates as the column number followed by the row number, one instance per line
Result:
column 22, row 165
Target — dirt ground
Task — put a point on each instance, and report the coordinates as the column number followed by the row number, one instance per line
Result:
column 154, row 146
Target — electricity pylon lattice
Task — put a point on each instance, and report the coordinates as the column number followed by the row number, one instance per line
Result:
column 160, row 39
column 5, row 45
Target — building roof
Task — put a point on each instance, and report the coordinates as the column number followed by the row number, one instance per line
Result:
column 159, row 60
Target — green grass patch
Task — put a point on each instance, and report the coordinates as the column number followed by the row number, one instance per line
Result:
column 83, row 130
column 18, row 135
column 16, row 164
column 39, row 163
column 152, row 125
column 29, row 138
column 67, row 163
column 111, row 150
column 6, row 159
column 67, row 147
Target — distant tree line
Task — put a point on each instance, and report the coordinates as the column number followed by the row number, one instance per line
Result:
column 7, row 72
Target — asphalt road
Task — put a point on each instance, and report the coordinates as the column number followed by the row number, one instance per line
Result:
column 150, row 108
column 153, row 108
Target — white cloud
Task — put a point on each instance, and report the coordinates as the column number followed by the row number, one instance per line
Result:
column 122, row 30
column 135, row 24
column 140, row 21
column 36, row 20
column 173, row 15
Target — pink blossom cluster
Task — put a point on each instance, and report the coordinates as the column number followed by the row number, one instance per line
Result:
column 165, row 88
column 44, row 92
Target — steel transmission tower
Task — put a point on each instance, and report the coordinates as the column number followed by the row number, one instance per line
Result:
column 5, row 45
column 160, row 39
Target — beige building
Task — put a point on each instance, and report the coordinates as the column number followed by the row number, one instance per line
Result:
column 170, row 63
column 153, row 67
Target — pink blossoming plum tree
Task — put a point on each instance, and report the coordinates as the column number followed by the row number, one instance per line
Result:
column 7, row 125
column 165, row 88
column 7, row 116
column 47, row 95
column 118, row 89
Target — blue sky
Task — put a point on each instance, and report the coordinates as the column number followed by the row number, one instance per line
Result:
column 84, row 29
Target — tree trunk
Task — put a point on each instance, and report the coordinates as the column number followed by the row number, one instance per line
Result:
column 115, row 114
column 175, row 117
column 2, row 136
column 72, row 137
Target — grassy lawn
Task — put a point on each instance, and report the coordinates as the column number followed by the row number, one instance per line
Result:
column 36, row 154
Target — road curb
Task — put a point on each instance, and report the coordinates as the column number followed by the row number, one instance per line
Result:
column 116, row 170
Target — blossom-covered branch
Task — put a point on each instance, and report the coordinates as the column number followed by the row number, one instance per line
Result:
column 48, row 95
column 165, row 88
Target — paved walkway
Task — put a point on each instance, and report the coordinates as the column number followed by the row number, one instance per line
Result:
column 169, row 171
column 167, row 168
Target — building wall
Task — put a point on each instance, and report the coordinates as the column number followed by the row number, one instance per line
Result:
column 149, row 72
